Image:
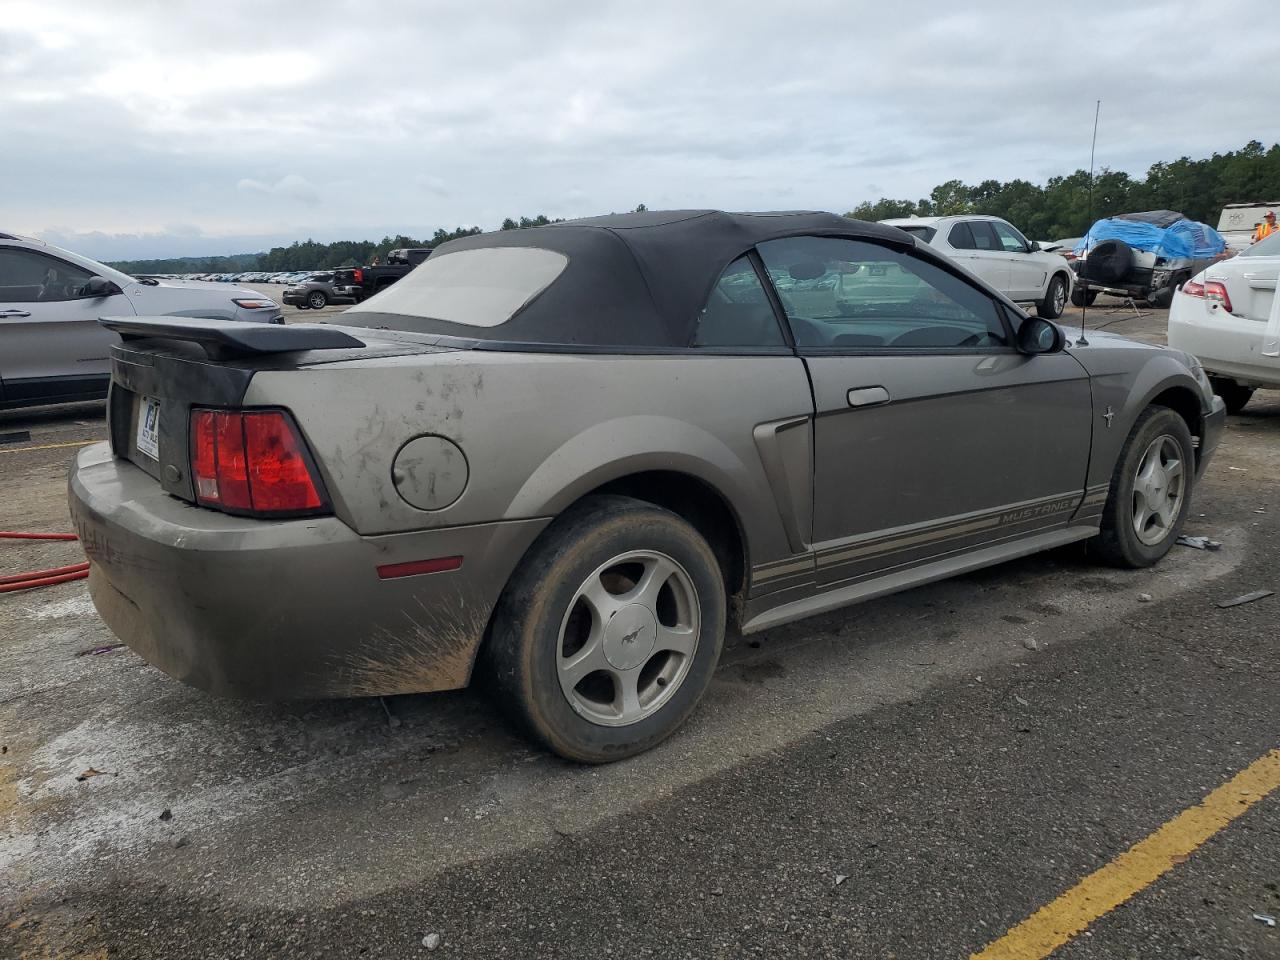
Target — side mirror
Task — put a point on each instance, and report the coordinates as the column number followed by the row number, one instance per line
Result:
column 98, row 287
column 1037, row 335
column 1034, row 246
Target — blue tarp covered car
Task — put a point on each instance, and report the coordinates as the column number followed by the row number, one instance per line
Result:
column 1181, row 239
column 1143, row 255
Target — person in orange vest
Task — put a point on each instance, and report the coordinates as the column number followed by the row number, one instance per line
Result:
column 1266, row 228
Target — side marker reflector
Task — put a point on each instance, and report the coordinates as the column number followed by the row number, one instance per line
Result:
column 391, row 571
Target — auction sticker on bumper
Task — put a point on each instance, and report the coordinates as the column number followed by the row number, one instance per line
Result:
column 149, row 427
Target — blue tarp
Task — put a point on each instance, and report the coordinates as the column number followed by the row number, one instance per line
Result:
column 1186, row 238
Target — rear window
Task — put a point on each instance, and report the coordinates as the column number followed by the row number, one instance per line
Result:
column 478, row 288
column 1268, row 247
column 924, row 233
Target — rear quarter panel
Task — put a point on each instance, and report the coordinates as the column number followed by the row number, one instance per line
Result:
column 538, row 431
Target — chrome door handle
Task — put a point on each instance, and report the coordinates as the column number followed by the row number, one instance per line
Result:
column 867, row 396
column 14, row 313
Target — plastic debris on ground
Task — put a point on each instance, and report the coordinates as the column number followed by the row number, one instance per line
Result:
column 431, row 941
column 1266, row 918
column 1199, row 543
column 1246, row 598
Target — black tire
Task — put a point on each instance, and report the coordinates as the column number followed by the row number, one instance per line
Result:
column 1109, row 262
column 317, row 299
column 523, row 648
column 1055, row 299
column 1081, row 297
column 1163, row 297
column 1233, row 394
column 1118, row 542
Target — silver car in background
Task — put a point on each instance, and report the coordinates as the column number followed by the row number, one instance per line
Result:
column 52, row 348
column 571, row 456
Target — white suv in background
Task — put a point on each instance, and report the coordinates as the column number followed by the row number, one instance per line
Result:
column 52, row 348
column 1228, row 317
column 994, row 250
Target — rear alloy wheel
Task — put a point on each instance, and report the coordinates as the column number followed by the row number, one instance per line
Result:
column 1055, row 299
column 317, row 300
column 607, row 635
column 1234, row 395
column 1150, row 491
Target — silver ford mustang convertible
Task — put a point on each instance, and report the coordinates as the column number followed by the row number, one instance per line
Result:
column 572, row 456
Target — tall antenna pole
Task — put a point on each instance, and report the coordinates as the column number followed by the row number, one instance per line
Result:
column 1084, row 300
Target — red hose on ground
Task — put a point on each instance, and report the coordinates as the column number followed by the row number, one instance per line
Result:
column 41, row 578
column 46, row 582
column 41, row 574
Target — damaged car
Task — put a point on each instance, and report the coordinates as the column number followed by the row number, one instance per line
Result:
column 569, row 458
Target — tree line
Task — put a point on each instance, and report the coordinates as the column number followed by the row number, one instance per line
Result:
column 1197, row 188
column 1060, row 208
column 313, row 255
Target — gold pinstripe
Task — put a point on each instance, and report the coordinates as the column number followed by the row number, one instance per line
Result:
column 878, row 545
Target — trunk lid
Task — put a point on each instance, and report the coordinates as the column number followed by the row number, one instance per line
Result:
column 165, row 366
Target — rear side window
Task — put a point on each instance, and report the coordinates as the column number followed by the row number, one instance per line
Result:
column 924, row 233
column 479, row 288
column 960, row 237
column 738, row 312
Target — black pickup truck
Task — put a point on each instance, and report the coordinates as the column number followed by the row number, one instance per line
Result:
column 358, row 283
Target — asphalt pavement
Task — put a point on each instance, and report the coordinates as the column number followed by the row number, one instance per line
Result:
column 911, row 777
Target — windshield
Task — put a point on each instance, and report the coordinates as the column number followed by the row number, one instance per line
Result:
column 478, row 288
column 1270, row 247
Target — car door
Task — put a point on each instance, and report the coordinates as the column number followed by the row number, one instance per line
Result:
column 1027, row 275
column 978, row 249
column 932, row 435
column 51, row 344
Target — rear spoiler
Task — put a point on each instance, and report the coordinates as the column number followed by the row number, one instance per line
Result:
column 227, row 339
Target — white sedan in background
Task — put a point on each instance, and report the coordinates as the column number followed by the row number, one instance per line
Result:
column 1228, row 317
column 994, row 250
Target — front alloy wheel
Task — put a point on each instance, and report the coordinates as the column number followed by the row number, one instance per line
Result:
column 1150, row 493
column 1157, row 490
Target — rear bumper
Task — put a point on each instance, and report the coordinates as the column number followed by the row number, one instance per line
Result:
column 1226, row 345
column 283, row 609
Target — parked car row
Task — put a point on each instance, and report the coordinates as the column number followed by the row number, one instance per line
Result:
column 292, row 276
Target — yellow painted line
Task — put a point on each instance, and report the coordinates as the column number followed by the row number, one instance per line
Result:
column 1137, row 868
column 50, row 446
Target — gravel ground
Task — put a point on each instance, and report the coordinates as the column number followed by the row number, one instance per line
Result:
column 959, row 754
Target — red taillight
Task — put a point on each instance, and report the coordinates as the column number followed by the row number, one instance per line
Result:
column 233, row 473
column 1193, row 289
column 252, row 462
column 278, row 472
column 358, row 275
column 1218, row 293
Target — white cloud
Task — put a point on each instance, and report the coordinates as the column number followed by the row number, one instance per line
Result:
column 281, row 119
column 290, row 187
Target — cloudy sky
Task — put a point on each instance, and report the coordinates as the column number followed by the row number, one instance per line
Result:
column 136, row 129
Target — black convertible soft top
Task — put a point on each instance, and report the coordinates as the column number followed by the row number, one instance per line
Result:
column 633, row 279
